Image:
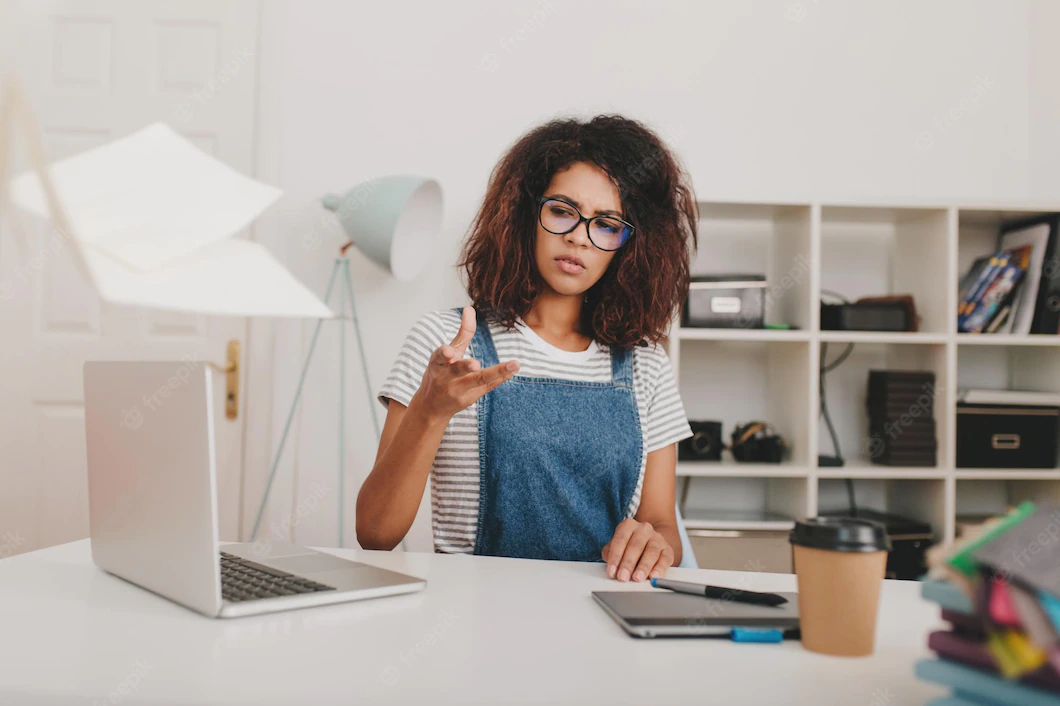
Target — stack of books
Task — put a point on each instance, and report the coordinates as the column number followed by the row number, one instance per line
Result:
column 999, row 590
column 902, row 417
column 990, row 292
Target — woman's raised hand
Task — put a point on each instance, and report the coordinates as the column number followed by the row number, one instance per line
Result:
column 451, row 382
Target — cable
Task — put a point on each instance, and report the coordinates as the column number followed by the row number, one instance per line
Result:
column 837, row 295
column 838, row 361
column 824, row 370
column 824, row 407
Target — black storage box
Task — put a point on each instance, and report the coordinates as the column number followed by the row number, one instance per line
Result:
column 910, row 540
column 1006, row 436
column 901, row 418
column 725, row 301
column 890, row 316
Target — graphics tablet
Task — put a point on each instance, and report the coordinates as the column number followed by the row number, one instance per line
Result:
column 666, row 614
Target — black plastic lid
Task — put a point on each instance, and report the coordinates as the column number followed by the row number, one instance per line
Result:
column 841, row 534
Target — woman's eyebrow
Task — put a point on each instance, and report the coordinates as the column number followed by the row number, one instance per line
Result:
column 579, row 206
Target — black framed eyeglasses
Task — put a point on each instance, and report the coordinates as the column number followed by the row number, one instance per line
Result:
column 561, row 217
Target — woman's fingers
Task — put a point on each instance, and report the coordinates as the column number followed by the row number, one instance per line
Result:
column 653, row 552
column 466, row 332
column 666, row 560
column 634, row 549
column 452, row 352
column 485, row 380
column 465, row 366
column 618, row 545
column 444, row 356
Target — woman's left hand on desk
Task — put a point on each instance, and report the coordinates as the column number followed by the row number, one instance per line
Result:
column 637, row 551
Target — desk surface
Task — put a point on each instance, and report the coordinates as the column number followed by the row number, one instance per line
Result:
column 485, row 631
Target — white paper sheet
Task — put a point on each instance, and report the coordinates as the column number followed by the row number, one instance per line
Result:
column 233, row 277
column 153, row 218
column 149, row 198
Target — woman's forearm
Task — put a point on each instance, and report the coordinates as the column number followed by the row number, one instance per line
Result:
column 390, row 496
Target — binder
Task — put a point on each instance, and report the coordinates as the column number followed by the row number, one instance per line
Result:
column 1046, row 317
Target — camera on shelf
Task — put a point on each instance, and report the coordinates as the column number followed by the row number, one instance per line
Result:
column 754, row 442
column 757, row 442
column 705, row 444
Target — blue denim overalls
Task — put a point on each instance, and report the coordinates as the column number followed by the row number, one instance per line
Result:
column 559, row 460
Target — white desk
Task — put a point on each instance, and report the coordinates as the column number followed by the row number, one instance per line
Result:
column 486, row 631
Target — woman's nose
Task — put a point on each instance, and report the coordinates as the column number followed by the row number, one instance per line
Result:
column 580, row 235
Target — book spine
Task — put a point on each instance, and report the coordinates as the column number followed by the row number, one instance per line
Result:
column 967, row 303
column 993, row 298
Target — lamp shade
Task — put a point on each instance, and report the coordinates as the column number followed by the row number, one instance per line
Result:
column 393, row 220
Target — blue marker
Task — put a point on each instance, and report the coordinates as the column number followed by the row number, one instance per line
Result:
column 757, row 635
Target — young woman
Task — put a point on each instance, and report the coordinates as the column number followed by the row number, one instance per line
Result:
column 546, row 414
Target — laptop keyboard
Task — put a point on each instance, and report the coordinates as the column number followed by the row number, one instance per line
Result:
column 245, row 580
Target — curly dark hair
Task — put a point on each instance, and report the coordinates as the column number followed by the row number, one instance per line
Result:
column 646, row 282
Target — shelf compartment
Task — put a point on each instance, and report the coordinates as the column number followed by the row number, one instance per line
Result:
column 1008, row 474
column 728, row 467
column 770, row 239
column 846, row 388
column 1012, row 367
column 753, row 503
column 1003, row 339
column 881, row 472
column 879, row 251
column 738, row 520
column 919, row 499
column 882, row 337
column 736, row 382
column 981, row 497
column 977, row 236
column 740, row 334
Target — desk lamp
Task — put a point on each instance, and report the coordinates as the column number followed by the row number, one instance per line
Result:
column 393, row 221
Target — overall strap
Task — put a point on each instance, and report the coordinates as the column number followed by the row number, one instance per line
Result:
column 622, row 367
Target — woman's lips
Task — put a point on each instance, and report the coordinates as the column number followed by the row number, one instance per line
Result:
column 569, row 267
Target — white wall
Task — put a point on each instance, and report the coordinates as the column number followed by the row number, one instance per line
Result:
column 766, row 100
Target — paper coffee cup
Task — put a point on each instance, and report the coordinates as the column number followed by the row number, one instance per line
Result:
column 839, row 564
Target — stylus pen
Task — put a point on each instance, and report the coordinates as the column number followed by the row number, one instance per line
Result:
column 720, row 592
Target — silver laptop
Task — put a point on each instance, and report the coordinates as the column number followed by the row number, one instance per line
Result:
column 152, row 491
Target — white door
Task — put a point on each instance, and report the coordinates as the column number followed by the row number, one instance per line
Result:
column 95, row 70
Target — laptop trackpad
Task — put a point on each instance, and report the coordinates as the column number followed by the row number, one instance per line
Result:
column 310, row 563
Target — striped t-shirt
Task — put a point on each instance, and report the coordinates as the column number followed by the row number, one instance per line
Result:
column 455, row 473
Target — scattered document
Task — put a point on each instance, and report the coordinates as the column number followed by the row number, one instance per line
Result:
column 232, row 277
column 149, row 198
column 154, row 218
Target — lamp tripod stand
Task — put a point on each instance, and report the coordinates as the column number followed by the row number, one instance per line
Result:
column 340, row 270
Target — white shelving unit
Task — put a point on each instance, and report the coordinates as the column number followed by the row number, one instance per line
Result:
column 739, row 375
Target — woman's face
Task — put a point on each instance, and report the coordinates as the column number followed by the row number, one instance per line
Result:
column 590, row 189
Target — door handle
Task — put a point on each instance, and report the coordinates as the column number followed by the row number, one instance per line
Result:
column 231, row 371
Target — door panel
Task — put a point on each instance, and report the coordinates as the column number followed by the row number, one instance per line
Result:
column 95, row 70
